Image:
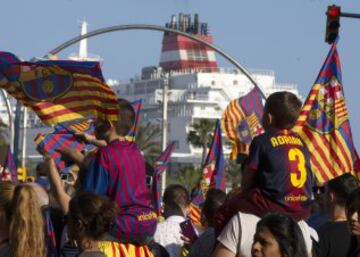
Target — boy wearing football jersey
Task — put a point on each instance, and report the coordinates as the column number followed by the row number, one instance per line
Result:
column 118, row 171
column 277, row 175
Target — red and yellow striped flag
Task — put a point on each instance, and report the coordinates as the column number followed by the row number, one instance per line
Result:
column 324, row 127
column 241, row 121
column 60, row 93
column 114, row 249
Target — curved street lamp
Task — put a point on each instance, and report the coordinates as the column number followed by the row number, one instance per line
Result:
column 151, row 28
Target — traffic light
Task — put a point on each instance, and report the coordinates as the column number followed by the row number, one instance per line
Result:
column 332, row 23
column 21, row 172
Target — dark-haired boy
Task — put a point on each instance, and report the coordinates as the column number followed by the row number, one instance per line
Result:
column 176, row 207
column 117, row 170
column 277, row 175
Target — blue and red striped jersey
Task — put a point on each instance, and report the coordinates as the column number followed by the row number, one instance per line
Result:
column 118, row 171
column 282, row 163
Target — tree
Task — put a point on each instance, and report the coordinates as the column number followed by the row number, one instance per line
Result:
column 233, row 172
column 4, row 141
column 200, row 135
column 148, row 138
column 187, row 176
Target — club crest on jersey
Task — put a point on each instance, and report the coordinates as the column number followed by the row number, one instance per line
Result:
column 329, row 109
column 46, row 83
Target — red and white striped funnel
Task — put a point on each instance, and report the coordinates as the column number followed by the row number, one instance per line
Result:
column 180, row 53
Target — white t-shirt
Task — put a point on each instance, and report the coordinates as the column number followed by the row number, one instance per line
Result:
column 238, row 234
column 168, row 235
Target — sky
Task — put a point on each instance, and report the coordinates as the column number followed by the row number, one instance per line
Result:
column 280, row 35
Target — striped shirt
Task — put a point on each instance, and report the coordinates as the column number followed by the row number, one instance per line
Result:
column 118, row 171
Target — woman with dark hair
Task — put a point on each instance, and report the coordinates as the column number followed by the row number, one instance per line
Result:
column 278, row 236
column 90, row 217
column 353, row 217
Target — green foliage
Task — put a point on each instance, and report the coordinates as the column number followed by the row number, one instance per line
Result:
column 148, row 138
column 188, row 176
column 4, row 141
column 233, row 172
column 200, row 135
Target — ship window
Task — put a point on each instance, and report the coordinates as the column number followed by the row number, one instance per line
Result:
column 197, row 55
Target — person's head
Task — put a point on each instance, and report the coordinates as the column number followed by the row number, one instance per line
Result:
column 90, row 217
column 281, row 110
column 42, row 195
column 21, row 219
column 339, row 190
column 214, row 199
column 278, row 236
column 176, row 201
column 105, row 129
column 353, row 211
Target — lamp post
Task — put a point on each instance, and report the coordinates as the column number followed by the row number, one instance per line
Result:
column 164, row 126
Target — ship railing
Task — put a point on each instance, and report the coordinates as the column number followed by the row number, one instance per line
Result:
column 157, row 75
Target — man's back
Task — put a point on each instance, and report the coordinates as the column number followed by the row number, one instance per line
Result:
column 118, row 171
column 334, row 239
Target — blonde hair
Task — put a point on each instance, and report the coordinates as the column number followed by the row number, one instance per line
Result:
column 23, row 214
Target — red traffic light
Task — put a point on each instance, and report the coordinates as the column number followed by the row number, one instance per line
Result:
column 333, row 11
column 332, row 23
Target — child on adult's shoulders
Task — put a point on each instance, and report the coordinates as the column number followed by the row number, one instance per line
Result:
column 277, row 175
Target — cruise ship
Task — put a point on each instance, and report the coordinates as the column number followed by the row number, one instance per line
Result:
column 198, row 87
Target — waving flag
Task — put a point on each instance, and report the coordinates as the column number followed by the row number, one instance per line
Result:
column 89, row 68
column 137, row 108
column 159, row 167
column 59, row 91
column 63, row 136
column 241, row 121
column 9, row 167
column 49, row 234
column 324, row 125
column 213, row 175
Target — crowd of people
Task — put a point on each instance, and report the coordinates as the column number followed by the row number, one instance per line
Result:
column 106, row 209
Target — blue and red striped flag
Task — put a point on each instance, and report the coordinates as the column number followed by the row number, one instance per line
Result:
column 137, row 109
column 9, row 167
column 241, row 121
column 64, row 136
column 159, row 167
column 213, row 175
column 58, row 91
column 49, row 234
column 324, row 126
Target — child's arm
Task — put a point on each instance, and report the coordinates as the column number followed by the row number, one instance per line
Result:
column 251, row 166
column 248, row 178
column 90, row 139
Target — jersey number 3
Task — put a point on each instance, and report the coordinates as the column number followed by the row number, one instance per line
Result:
column 297, row 177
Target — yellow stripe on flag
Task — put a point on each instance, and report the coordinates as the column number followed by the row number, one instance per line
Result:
column 318, row 158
